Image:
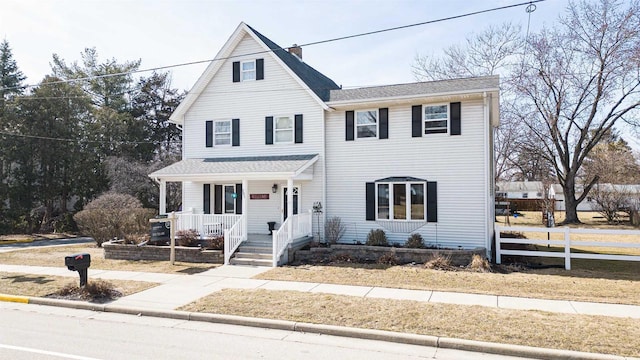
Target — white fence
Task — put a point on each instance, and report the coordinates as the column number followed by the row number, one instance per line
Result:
column 301, row 225
column 566, row 243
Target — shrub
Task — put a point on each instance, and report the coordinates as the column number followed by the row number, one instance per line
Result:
column 377, row 237
column 113, row 215
column 479, row 264
column 334, row 229
column 415, row 241
column 214, row 243
column 439, row 262
column 188, row 238
column 389, row 258
column 94, row 290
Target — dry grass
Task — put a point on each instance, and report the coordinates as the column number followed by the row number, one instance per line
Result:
column 532, row 328
column 578, row 284
column 42, row 285
column 54, row 256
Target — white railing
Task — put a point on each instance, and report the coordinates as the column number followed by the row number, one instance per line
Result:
column 233, row 237
column 566, row 243
column 207, row 224
column 301, row 225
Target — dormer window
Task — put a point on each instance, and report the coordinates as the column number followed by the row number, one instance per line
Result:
column 248, row 70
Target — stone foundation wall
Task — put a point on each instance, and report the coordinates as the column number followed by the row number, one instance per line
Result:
column 161, row 253
column 363, row 253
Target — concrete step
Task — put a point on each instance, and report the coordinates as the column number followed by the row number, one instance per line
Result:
column 248, row 255
column 255, row 249
column 257, row 243
column 250, row 262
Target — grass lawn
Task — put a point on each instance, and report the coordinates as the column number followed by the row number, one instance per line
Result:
column 532, row 328
column 589, row 280
column 54, row 256
column 42, row 285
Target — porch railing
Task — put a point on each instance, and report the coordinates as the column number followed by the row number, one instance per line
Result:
column 207, row 224
column 234, row 237
column 301, row 225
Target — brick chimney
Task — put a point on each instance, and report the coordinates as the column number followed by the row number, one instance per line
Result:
column 296, row 50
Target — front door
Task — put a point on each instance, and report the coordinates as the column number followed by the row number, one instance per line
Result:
column 296, row 200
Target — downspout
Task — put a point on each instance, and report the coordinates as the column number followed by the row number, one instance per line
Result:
column 324, row 175
column 488, row 136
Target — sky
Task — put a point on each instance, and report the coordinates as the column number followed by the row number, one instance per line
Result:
column 168, row 32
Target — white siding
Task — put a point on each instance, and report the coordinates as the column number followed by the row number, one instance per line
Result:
column 278, row 94
column 456, row 163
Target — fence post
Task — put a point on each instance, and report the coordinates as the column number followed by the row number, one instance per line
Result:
column 498, row 254
column 567, row 248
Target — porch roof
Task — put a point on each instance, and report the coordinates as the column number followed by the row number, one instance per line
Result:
column 237, row 168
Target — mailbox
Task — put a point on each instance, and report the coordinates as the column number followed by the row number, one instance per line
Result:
column 79, row 263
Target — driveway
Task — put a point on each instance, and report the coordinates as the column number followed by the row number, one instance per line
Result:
column 41, row 243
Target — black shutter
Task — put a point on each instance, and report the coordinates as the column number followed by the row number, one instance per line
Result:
column 268, row 130
column 217, row 199
column 371, row 201
column 208, row 134
column 236, row 71
column 298, row 129
column 259, row 69
column 349, row 125
column 456, row 126
column 384, row 123
column 239, row 199
column 206, row 198
column 432, row 201
column 416, row 121
column 235, row 132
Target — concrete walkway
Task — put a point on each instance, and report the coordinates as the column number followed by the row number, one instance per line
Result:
column 178, row 290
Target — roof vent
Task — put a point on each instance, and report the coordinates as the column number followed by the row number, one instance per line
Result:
column 296, row 50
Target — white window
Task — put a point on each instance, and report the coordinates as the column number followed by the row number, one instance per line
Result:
column 401, row 201
column 436, row 119
column 229, row 199
column 248, row 70
column 222, row 133
column 283, row 129
column 367, row 124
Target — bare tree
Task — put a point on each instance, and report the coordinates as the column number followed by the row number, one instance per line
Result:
column 581, row 78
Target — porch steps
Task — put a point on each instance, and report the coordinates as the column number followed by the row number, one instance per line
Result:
column 254, row 252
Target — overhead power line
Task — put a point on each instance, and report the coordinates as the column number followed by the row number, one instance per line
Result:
column 449, row 18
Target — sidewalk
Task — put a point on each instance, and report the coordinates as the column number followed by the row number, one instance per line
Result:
column 177, row 290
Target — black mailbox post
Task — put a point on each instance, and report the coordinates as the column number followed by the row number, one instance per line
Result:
column 79, row 263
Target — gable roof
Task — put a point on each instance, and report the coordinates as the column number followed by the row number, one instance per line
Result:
column 313, row 81
column 475, row 84
column 316, row 81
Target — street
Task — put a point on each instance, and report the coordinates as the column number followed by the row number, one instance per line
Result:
column 42, row 332
column 41, row 243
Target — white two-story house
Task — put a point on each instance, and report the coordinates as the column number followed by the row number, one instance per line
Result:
column 266, row 138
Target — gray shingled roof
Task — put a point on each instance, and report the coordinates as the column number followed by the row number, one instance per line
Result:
column 316, row 81
column 235, row 165
column 419, row 88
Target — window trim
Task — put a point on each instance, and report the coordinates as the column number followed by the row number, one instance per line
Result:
column 243, row 71
column 424, row 119
column 408, row 204
column 356, row 125
column 276, row 130
column 215, row 143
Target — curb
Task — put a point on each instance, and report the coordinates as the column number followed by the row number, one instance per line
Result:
column 343, row 331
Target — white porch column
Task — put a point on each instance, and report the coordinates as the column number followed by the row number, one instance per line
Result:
column 290, row 207
column 163, row 197
column 245, row 206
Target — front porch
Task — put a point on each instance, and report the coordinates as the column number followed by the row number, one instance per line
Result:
column 237, row 198
column 242, row 248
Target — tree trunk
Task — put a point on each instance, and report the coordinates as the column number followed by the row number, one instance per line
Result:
column 571, row 204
